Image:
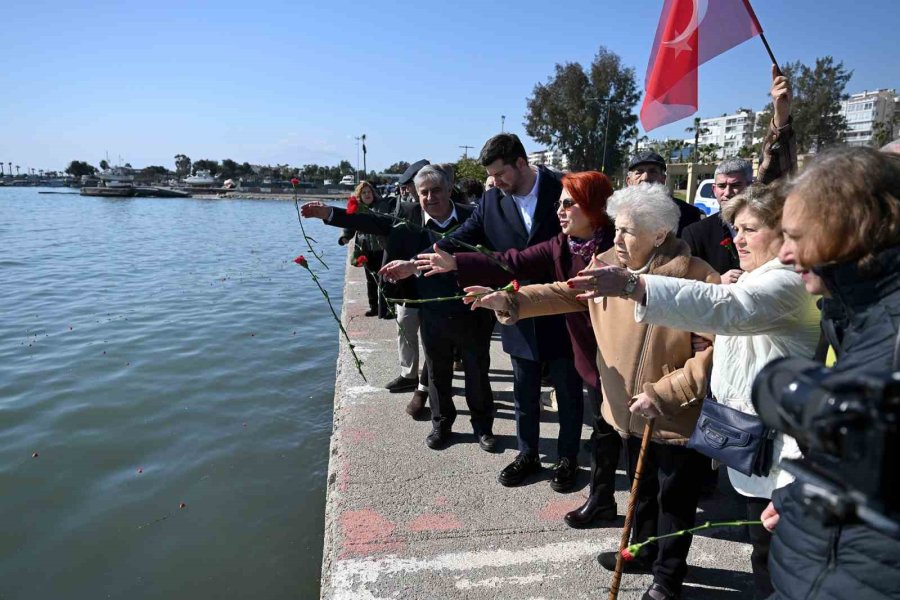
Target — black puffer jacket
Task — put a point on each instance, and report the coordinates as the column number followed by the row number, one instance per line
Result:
column 810, row 559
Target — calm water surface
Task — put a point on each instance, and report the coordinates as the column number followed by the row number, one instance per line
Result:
column 155, row 352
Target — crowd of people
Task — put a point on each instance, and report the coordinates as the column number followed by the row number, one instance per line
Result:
column 631, row 299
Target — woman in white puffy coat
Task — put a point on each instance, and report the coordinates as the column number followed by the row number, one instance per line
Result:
column 767, row 314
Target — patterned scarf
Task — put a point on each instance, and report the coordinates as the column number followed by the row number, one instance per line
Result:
column 586, row 248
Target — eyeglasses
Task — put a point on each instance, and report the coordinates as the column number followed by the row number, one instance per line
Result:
column 566, row 204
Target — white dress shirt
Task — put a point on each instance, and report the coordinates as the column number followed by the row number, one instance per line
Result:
column 527, row 204
column 442, row 224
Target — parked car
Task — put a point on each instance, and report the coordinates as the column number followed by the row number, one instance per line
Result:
column 704, row 199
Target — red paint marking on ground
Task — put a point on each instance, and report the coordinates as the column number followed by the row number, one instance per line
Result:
column 441, row 501
column 555, row 510
column 435, row 522
column 367, row 532
column 358, row 435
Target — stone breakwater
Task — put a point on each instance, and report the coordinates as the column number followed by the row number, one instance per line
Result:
column 404, row 521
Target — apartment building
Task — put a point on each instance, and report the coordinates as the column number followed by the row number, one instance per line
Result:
column 729, row 132
column 867, row 111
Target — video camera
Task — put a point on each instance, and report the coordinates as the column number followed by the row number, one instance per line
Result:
column 848, row 429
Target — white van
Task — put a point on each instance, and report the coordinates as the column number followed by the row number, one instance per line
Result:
column 704, row 199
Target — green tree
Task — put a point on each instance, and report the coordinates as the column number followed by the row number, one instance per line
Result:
column 469, row 168
column 229, row 169
column 816, row 105
column 182, row 165
column 881, row 134
column 569, row 112
column 697, row 130
column 746, row 152
column 78, row 168
column 104, row 165
column 205, row 164
column 398, row 167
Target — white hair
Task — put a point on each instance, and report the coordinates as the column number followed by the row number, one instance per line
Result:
column 648, row 204
column 432, row 173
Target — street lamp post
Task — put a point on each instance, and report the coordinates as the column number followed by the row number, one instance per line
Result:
column 502, row 123
column 357, row 159
column 365, row 170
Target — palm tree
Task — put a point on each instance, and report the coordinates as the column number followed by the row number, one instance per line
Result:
column 697, row 130
column 17, row 169
column 10, row 168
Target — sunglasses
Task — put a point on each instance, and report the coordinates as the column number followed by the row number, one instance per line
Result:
column 566, row 204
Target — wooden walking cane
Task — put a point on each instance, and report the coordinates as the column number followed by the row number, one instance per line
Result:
column 629, row 511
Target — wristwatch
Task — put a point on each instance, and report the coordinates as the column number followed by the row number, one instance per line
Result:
column 630, row 284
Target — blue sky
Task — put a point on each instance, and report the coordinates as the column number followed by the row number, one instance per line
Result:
column 287, row 82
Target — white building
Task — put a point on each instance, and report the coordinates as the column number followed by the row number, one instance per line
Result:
column 729, row 132
column 554, row 159
column 867, row 111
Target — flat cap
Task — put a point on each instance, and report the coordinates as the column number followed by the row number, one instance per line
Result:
column 411, row 171
column 647, row 158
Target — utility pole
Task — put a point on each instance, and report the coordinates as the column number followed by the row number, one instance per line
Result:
column 357, row 159
column 502, row 123
column 364, row 156
column 466, row 151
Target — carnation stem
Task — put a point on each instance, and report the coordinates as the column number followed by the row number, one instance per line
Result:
column 308, row 239
column 635, row 548
column 340, row 325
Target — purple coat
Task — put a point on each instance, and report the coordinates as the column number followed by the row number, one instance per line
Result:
column 547, row 261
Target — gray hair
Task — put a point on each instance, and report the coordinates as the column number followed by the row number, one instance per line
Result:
column 736, row 165
column 432, row 173
column 648, row 204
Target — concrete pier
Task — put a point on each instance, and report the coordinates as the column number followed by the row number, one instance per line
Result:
column 404, row 521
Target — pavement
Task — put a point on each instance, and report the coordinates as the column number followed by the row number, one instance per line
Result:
column 404, row 521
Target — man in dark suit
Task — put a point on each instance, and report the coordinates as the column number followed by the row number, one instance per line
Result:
column 517, row 213
column 444, row 324
column 649, row 167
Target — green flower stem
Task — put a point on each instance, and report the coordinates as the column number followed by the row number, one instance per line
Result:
column 511, row 287
column 635, row 548
column 398, row 220
column 340, row 325
column 306, row 238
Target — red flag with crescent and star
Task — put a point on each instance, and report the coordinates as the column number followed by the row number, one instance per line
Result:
column 690, row 32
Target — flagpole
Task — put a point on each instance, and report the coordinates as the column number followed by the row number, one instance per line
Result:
column 765, row 42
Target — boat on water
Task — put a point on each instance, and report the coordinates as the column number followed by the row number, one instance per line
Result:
column 133, row 191
column 348, row 180
column 116, row 177
column 201, row 178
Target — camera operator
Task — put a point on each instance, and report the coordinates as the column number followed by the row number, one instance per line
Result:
column 842, row 220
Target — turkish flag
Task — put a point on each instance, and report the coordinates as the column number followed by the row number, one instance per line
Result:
column 690, row 32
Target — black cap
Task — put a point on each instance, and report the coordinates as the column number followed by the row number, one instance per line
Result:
column 647, row 158
column 411, row 171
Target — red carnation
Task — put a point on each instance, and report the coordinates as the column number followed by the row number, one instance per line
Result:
column 726, row 242
column 352, row 205
column 362, row 261
column 512, row 286
column 294, row 181
column 628, row 556
column 301, row 260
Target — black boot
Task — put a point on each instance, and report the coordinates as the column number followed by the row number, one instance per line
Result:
column 601, row 503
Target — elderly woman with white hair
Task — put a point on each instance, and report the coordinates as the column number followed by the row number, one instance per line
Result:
column 635, row 358
column 767, row 314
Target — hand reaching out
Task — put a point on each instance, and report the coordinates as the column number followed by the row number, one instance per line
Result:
column 436, row 263
column 315, row 210
column 396, row 270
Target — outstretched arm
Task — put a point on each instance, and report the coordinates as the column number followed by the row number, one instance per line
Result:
column 779, row 151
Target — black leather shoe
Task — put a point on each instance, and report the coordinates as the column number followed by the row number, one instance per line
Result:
column 658, row 591
column 487, row 442
column 565, row 473
column 371, row 312
column 516, row 472
column 402, row 384
column 590, row 513
column 438, row 438
column 640, row 564
column 416, row 406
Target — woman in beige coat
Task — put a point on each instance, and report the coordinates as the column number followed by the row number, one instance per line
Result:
column 639, row 361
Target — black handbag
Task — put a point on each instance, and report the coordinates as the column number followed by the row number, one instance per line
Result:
column 734, row 438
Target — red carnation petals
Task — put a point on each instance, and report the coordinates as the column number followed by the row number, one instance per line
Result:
column 362, row 261
column 301, row 260
column 628, row 556
column 726, row 242
column 352, row 205
column 515, row 284
column 294, row 181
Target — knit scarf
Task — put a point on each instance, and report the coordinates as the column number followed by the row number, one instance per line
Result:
column 586, row 249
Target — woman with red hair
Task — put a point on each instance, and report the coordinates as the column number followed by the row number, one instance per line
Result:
column 586, row 232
